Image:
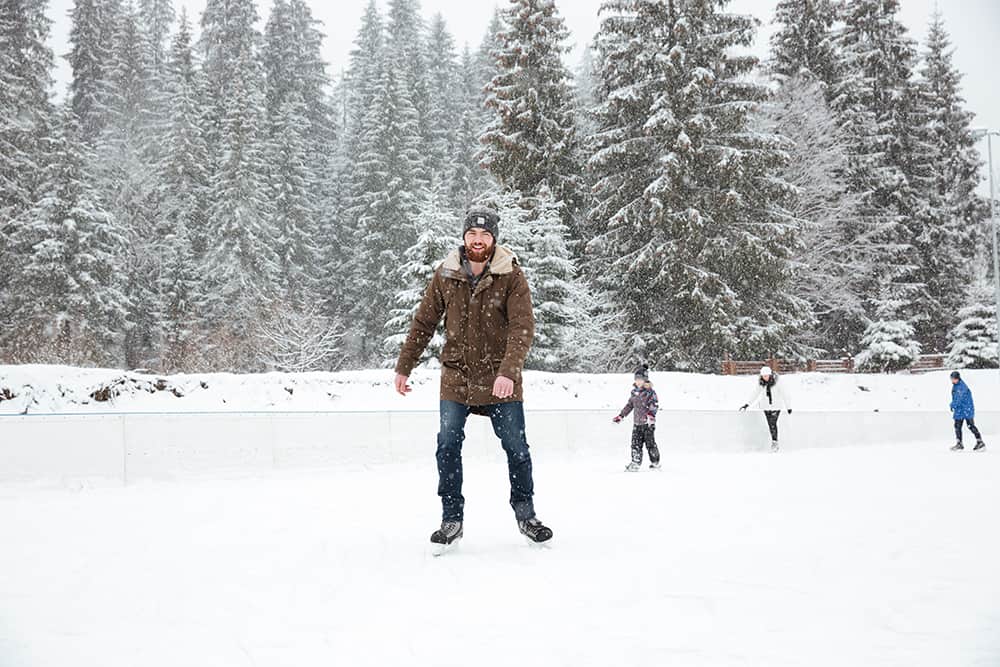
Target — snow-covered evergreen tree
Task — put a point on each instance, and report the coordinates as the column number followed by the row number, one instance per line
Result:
column 406, row 42
column 127, row 180
column 241, row 265
column 443, row 109
column 953, row 211
column 875, row 105
column 66, row 302
column 467, row 179
column 438, row 234
column 531, row 141
column 157, row 17
column 25, row 112
column 91, row 40
column 361, row 79
column 829, row 259
column 804, row 45
column 384, row 183
column 888, row 345
column 695, row 242
column 972, row 343
column 556, row 291
column 295, row 215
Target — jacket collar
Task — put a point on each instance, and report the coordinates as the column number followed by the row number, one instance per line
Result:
column 503, row 262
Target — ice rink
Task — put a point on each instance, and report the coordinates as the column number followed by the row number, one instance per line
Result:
column 875, row 555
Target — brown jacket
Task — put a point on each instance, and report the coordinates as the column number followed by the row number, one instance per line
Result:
column 487, row 332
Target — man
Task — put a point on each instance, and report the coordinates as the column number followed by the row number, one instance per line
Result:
column 484, row 299
column 963, row 410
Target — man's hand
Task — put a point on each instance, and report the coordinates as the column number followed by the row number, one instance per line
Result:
column 401, row 387
column 503, row 387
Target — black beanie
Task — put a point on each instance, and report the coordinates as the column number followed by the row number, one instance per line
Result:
column 955, row 375
column 482, row 217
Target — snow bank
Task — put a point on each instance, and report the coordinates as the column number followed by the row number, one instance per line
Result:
column 63, row 389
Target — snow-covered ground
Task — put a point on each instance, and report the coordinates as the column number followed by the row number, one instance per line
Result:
column 853, row 555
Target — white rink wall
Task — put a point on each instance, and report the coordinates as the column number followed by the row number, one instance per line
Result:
column 254, row 423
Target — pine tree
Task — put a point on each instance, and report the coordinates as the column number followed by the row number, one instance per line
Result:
column 126, row 171
column 25, row 111
column 888, row 345
column 829, row 258
column 182, row 224
column 805, row 44
column 91, row 40
column 531, row 141
column 406, row 42
column 953, row 210
column 361, row 79
column 555, row 290
column 295, row 215
column 874, row 103
column 438, row 235
column 241, row 264
column 383, row 203
column 973, row 341
column 66, row 302
column 486, row 61
column 443, row 109
column 467, row 178
column 156, row 17
column 695, row 243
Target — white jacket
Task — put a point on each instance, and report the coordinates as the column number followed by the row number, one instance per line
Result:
column 780, row 399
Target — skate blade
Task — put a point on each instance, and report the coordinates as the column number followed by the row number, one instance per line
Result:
column 442, row 549
column 539, row 546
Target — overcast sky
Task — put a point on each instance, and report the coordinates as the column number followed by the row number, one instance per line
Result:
column 974, row 26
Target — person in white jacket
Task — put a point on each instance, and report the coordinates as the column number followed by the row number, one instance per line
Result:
column 772, row 398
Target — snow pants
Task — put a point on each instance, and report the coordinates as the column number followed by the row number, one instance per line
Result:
column 644, row 434
column 508, row 424
column 772, row 422
column 972, row 427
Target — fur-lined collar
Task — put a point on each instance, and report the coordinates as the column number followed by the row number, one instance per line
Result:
column 503, row 262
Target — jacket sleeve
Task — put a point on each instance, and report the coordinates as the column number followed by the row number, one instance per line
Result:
column 653, row 406
column 425, row 321
column 627, row 409
column 520, row 327
column 755, row 396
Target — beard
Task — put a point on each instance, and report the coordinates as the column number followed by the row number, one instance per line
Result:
column 478, row 254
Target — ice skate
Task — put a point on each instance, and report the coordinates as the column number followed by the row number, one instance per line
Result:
column 446, row 537
column 979, row 445
column 958, row 447
column 536, row 532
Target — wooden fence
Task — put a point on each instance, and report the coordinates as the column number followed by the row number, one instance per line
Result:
column 925, row 363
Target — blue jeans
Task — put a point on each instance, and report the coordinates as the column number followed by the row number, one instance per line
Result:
column 508, row 424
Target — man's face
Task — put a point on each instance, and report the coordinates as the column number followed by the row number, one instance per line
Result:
column 478, row 244
column 954, row 380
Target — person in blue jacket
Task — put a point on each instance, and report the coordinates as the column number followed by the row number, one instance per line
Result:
column 963, row 410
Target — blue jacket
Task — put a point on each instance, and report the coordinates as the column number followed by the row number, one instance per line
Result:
column 961, row 401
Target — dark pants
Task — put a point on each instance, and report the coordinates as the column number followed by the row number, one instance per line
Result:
column 508, row 424
column 972, row 427
column 772, row 422
column 644, row 434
